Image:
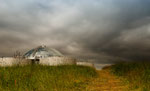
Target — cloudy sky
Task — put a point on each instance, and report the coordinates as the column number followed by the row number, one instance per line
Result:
column 105, row 30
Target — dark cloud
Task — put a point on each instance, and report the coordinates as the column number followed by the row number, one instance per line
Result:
column 103, row 30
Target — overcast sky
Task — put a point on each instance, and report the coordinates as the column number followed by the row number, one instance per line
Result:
column 101, row 29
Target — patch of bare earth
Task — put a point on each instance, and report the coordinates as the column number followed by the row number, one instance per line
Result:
column 107, row 82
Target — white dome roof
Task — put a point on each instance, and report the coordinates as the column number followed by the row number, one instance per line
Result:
column 41, row 52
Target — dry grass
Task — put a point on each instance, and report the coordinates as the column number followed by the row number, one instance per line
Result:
column 45, row 78
column 107, row 82
column 137, row 74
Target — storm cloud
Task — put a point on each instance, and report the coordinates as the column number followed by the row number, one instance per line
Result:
column 105, row 30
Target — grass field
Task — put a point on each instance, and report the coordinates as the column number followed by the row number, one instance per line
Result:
column 45, row 78
column 136, row 74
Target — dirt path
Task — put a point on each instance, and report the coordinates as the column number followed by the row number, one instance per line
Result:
column 106, row 82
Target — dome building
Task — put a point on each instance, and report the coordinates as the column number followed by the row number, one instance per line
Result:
column 43, row 56
column 42, row 52
column 47, row 56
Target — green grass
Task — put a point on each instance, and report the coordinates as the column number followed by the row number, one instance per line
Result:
column 137, row 74
column 45, row 78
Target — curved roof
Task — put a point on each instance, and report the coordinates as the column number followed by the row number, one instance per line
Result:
column 41, row 52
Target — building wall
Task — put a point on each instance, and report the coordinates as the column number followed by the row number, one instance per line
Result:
column 57, row 61
column 6, row 61
column 10, row 61
column 51, row 61
column 85, row 64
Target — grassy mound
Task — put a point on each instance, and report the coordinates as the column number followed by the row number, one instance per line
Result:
column 45, row 78
column 137, row 74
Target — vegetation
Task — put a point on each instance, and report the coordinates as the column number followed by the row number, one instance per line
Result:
column 137, row 74
column 45, row 78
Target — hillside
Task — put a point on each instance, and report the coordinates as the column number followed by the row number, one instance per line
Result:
column 119, row 77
